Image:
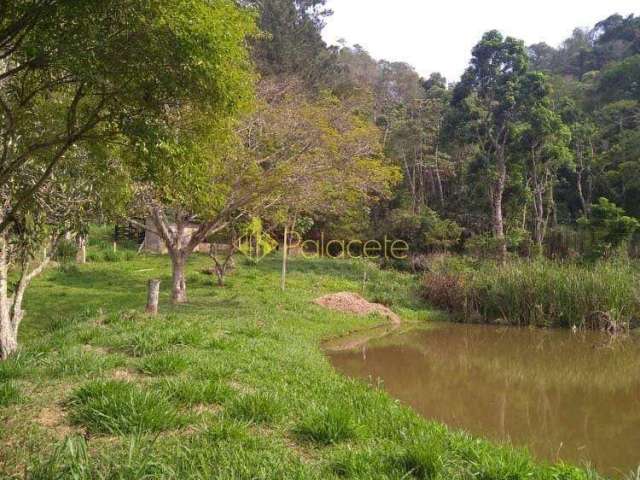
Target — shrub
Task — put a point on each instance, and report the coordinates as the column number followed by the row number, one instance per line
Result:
column 443, row 290
column 608, row 228
column 423, row 232
column 66, row 251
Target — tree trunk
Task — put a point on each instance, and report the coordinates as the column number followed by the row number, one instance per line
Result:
column 178, row 282
column 8, row 337
column 220, row 275
column 539, row 228
column 439, row 179
column 81, row 243
column 497, row 192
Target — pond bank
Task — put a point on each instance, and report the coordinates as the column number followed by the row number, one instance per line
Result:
column 233, row 385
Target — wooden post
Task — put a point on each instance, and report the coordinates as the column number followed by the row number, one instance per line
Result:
column 153, row 295
column 364, row 275
column 283, row 280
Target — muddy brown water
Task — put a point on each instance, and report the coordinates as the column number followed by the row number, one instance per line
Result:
column 564, row 396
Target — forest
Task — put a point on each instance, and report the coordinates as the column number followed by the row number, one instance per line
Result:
column 232, row 125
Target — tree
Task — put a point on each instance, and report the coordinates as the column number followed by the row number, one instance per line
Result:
column 190, row 177
column 292, row 43
column 544, row 139
column 27, row 246
column 583, row 145
column 292, row 150
column 608, row 227
column 485, row 109
column 96, row 74
column 90, row 70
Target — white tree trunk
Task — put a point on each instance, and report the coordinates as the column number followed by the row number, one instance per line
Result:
column 81, row 243
column 497, row 192
column 8, row 337
column 11, row 313
column 153, row 297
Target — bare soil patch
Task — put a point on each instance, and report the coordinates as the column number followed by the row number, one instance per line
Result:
column 53, row 418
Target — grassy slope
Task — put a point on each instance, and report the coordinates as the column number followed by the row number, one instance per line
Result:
column 233, row 385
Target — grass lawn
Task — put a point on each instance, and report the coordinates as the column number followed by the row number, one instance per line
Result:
column 233, row 385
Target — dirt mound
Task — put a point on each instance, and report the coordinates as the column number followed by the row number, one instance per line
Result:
column 353, row 303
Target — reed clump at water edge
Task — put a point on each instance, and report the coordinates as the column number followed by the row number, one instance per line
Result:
column 604, row 295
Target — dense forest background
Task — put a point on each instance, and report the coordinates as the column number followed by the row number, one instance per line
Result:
column 566, row 121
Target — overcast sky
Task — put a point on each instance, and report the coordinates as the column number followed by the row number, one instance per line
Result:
column 439, row 35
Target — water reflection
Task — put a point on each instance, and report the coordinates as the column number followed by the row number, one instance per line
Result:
column 574, row 397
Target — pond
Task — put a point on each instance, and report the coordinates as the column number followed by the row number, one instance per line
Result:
column 563, row 395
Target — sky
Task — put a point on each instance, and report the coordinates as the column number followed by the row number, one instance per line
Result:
column 437, row 36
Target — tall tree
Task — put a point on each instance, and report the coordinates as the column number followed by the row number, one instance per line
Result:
column 485, row 110
column 544, row 139
column 292, row 42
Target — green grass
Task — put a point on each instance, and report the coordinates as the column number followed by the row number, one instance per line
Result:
column 233, row 385
column 256, row 407
column 170, row 363
column 9, row 394
column 190, row 392
column 327, row 425
column 117, row 407
column 540, row 293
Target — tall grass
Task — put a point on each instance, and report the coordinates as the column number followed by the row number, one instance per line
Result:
column 121, row 408
column 539, row 293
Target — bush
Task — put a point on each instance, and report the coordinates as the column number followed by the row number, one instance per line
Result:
column 608, row 228
column 423, row 232
column 482, row 246
column 446, row 291
column 66, row 252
